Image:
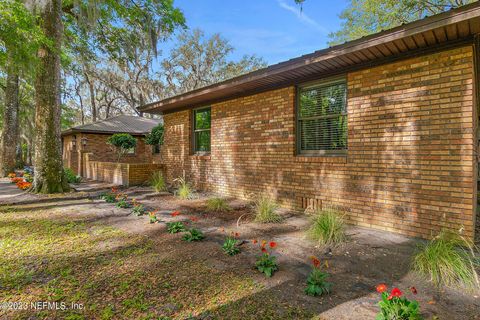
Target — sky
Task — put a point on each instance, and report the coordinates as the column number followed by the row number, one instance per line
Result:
column 276, row 30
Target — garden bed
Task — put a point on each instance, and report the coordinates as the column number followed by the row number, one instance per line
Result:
column 120, row 266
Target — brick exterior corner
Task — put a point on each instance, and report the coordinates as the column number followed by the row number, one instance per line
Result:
column 410, row 166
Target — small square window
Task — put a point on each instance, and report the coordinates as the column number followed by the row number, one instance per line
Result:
column 201, row 130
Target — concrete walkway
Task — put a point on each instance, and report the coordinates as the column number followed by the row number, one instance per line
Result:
column 8, row 190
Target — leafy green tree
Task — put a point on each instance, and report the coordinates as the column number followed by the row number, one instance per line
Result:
column 122, row 143
column 155, row 137
column 364, row 17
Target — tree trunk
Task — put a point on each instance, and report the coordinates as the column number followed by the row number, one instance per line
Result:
column 8, row 143
column 49, row 175
column 91, row 87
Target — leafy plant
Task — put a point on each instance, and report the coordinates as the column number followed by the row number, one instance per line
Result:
column 316, row 281
column 193, row 235
column 109, row 197
column 158, row 182
column 153, row 217
column 138, row 210
column 265, row 210
column 230, row 246
column 123, row 203
column 28, row 177
column 327, row 227
column 394, row 306
column 122, row 143
column 217, row 204
column 267, row 263
column 175, row 227
column 71, row 177
column 155, row 137
column 184, row 190
column 448, row 259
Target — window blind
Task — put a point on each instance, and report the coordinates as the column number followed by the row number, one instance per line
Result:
column 322, row 118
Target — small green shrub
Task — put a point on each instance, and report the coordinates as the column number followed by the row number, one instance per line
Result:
column 175, row 227
column 267, row 264
column 394, row 306
column 71, row 177
column 138, row 210
column 317, row 284
column 230, row 246
column 122, row 143
column 193, row 235
column 328, row 227
column 123, row 203
column 158, row 182
column 184, row 190
column 265, row 210
column 109, row 197
column 217, row 204
column 448, row 259
column 152, row 217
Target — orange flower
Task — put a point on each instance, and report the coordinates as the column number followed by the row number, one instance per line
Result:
column 395, row 293
column 175, row 213
column 255, row 241
column 382, row 287
column 237, row 234
column 264, row 243
column 152, row 213
column 12, row 175
column 315, row 261
column 114, row 190
column 272, row 244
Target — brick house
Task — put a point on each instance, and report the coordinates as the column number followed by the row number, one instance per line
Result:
column 86, row 152
column 383, row 128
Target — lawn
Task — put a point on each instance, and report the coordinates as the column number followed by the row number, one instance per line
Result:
column 49, row 256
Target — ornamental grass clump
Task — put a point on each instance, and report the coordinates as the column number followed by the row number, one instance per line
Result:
column 157, row 182
column 217, row 204
column 395, row 306
column 327, row 227
column 449, row 260
column 267, row 263
column 265, row 210
column 316, row 281
column 184, row 190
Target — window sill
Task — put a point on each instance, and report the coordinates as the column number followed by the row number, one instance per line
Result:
column 325, row 158
column 200, row 156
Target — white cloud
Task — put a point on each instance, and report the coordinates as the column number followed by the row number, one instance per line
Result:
column 302, row 16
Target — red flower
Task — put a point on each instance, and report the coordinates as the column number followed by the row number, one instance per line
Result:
column 114, row 190
column 264, row 250
column 382, row 287
column 175, row 213
column 237, row 234
column 315, row 261
column 194, row 219
column 395, row 293
column 272, row 244
column 414, row 290
column 255, row 241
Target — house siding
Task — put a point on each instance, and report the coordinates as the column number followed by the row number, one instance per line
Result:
column 410, row 166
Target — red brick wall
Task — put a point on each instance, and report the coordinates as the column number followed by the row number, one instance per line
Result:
column 100, row 151
column 410, row 162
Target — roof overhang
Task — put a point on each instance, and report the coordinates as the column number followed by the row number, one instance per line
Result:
column 451, row 27
column 75, row 131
